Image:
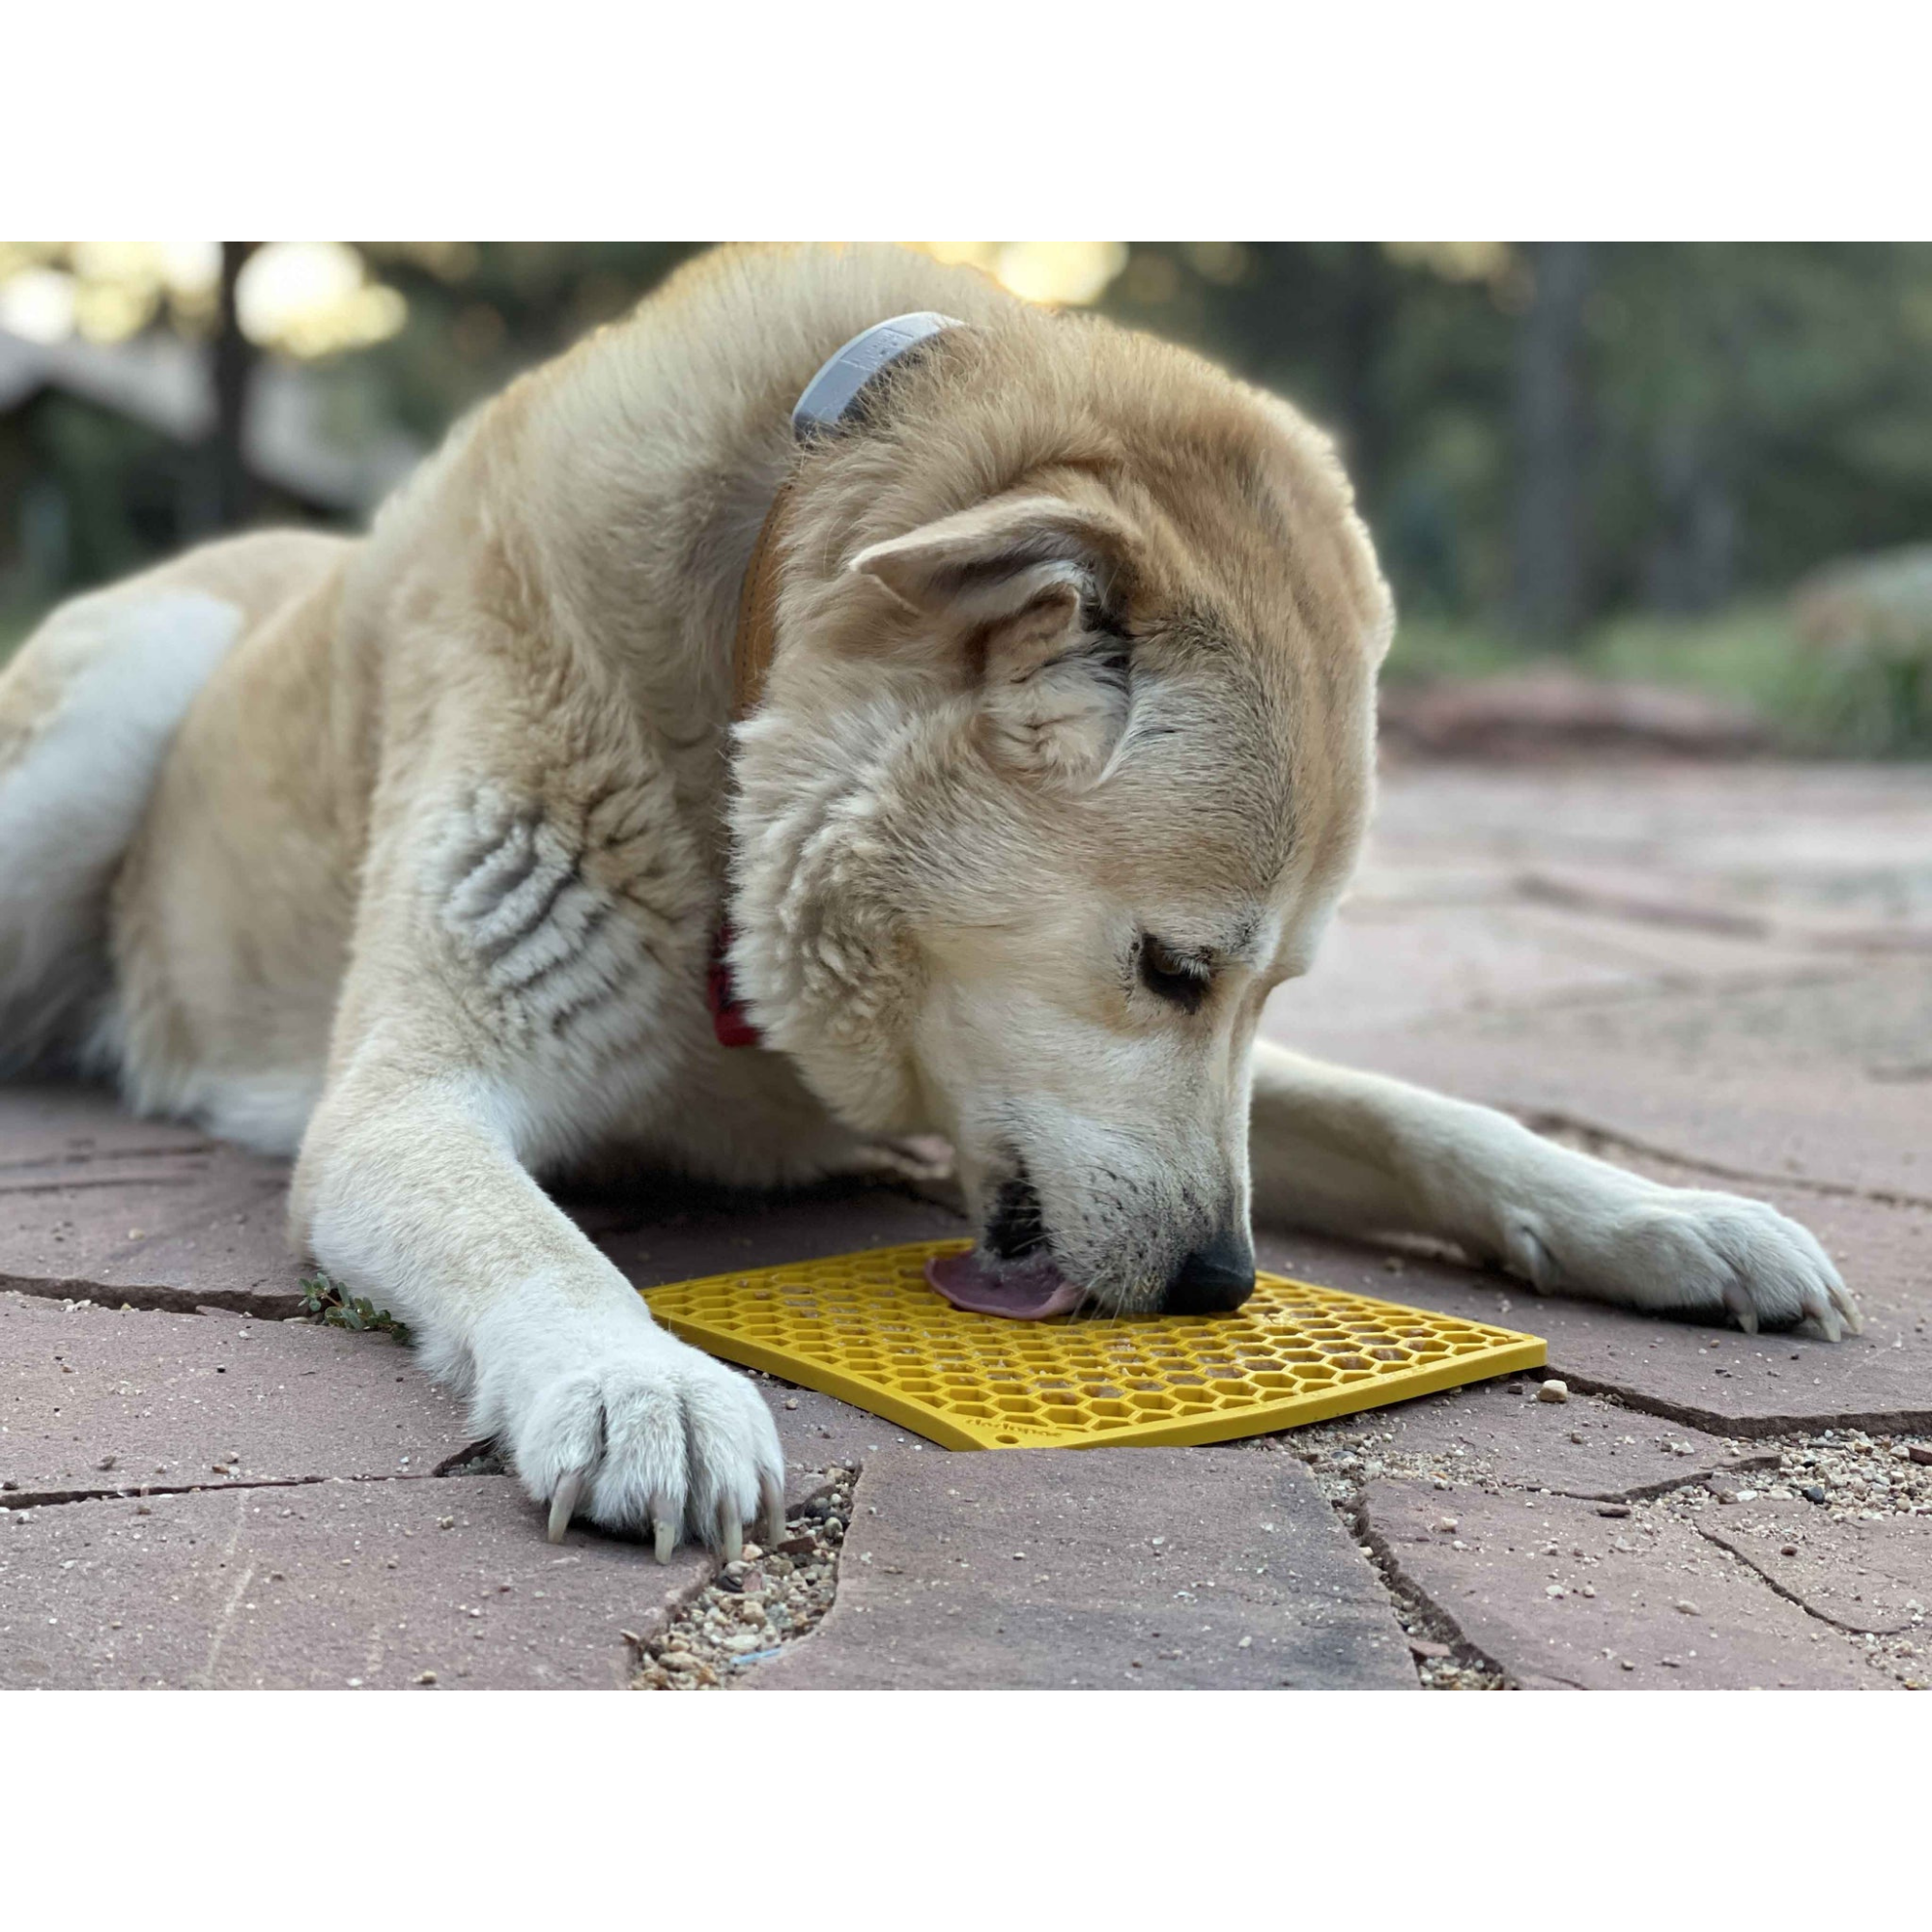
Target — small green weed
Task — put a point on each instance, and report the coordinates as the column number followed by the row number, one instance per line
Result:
column 323, row 1301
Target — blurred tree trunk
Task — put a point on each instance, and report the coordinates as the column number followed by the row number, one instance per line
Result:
column 232, row 491
column 1551, row 424
column 1691, row 563
column 1366, row 314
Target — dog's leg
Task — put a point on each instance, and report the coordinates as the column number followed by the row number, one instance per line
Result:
column 1355, row 1153
column 507, row 966
column 412, row 1192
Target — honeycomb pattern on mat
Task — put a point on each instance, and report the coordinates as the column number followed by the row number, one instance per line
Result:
column 868, row 1328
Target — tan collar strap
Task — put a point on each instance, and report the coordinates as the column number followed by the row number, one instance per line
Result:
column 831, row 400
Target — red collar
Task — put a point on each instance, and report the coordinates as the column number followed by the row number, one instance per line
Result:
column 730, row 1021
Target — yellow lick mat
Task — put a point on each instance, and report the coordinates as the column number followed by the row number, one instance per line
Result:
column 866, row 1328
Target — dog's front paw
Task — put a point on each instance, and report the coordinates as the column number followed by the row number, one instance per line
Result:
column 1687, row 1249
column 651, row 1433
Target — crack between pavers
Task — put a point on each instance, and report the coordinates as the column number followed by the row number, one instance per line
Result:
column 1536, row 887
column 1552, row 1121
column 1789, row 1595
column 26, row 1500
column 1660, row 979
column 481, row 1458
column 1626, row 909
column 270, row 1304
column 10, row 1188
column 1402, row 1589
column 1648, row 1493
column 1653, row 980
column 1639, row 1492
column 188, row 1151
column 1876, row 1421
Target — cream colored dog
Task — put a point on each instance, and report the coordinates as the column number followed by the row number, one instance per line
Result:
column 408, row 853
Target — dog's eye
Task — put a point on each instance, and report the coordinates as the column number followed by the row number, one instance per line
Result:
column 1180, row 979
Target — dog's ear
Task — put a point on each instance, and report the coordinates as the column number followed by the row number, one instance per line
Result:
column 1020, row 586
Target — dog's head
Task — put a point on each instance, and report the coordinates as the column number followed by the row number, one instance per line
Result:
column 1066, row 761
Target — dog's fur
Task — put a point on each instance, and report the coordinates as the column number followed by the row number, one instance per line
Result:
column 407, row 853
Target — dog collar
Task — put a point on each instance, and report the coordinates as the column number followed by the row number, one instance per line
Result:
column 831, row 401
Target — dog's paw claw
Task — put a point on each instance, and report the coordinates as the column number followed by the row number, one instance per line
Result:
column 664, row 1526
column 1833, row 1310
column 770, row 1510
column 563, row 1502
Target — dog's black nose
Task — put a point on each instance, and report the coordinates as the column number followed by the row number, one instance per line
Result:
column 1216, row 1278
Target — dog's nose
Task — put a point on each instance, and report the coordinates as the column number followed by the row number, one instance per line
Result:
column 1216, row 1278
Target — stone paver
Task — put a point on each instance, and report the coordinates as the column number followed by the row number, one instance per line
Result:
column 1558, row 1597
column 1646, row 1070
column 1452, row 964
column 1860, row 1576
column 1101, row 1569
column 1771, row 839
column 1392, row 964
column 331, row 1585
column 149, row 1212
column 93, row 1400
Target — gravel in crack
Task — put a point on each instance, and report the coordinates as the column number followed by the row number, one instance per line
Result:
column 1452, row 1674
column 756, row 1606
column 1851, row 1476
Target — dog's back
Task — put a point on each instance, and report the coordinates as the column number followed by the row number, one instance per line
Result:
column 88, row 709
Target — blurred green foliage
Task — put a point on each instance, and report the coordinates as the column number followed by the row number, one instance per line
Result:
column 1750, row 410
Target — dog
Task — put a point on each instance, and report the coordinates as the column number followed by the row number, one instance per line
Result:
column 413, row 855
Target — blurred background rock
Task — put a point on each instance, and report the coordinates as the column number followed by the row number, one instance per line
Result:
column 1675, row 497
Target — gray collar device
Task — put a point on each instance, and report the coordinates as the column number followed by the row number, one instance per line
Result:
column 832, row 397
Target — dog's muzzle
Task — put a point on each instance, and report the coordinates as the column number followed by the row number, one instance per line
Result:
column 1013, row 1271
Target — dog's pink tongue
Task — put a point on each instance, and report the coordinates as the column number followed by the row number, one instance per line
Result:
column 1029, row 1293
